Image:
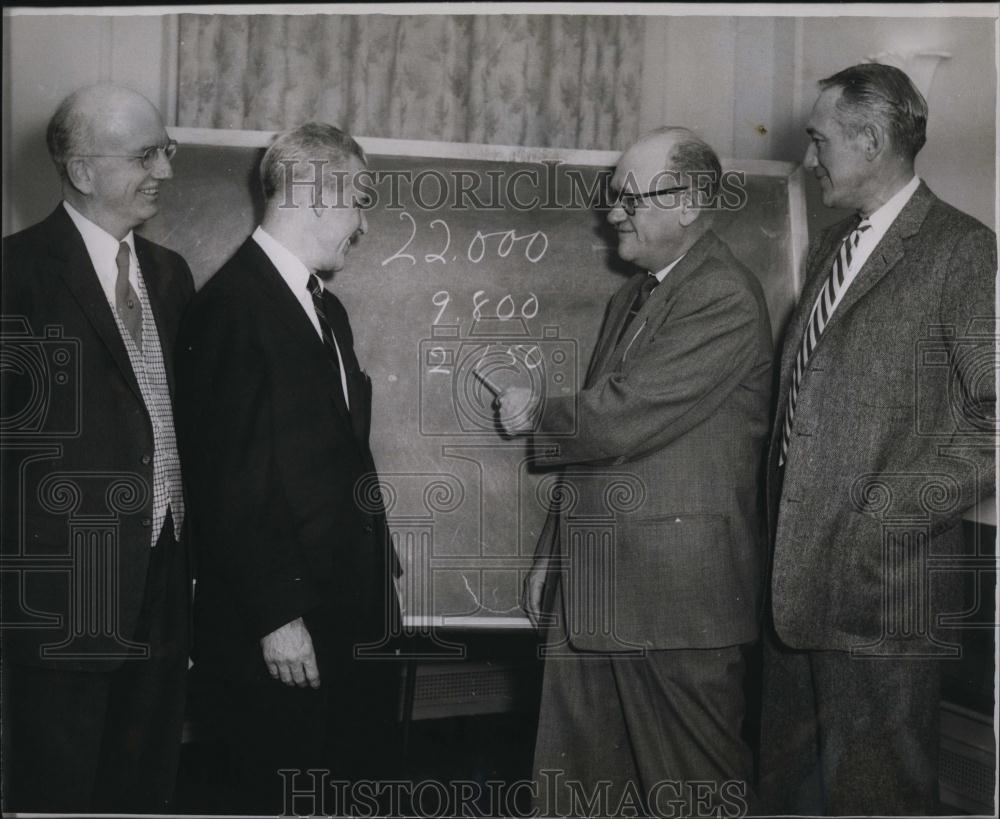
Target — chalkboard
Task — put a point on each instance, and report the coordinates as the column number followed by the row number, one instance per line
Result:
column 510, row 279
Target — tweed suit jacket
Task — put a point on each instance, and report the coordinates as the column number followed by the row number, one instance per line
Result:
column 93, row 428
column 893, row 428
column 661, row 453
column 283, row 493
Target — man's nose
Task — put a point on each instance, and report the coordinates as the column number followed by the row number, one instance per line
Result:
column 810, row 160
column 364, row 223
column 162, row 169
column 616, row 215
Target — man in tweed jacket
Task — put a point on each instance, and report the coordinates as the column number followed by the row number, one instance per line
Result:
column 883, row 436
column 653, row 560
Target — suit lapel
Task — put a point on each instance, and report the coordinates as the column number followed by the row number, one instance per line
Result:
column 289, row 311
column 358, row 384
column 888, row 252
column 882, row 260
column 617, row 316
column 72, row 261
column 646, row 319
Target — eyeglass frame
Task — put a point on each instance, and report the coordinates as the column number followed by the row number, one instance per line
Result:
column 630, row 208
column 147, row 158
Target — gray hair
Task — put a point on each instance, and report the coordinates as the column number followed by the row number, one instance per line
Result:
column 309, row 143
column 691, row 157
column 695, row 158
column 887, row 95
column 69, row 132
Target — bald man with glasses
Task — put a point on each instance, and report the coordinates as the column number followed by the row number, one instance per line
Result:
column 648, row 617
column 96, row 582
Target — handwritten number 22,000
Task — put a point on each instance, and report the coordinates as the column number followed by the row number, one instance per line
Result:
column 534, row 249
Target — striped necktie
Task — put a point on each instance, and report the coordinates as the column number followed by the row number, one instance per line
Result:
column 315, row 289
column 641, row 297
column 821, row 312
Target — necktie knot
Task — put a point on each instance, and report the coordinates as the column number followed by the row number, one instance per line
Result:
column 313, row 286
column 646, row 290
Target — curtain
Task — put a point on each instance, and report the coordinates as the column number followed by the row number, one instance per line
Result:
column 562, row 81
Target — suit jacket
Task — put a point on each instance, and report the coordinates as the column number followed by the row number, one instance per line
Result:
column 662, row 457
column 283, row 494
column 83, row 416
column 893, row 427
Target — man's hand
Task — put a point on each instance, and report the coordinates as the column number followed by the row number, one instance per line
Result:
column 531, row 595
column 288, row 652
column 517, row 407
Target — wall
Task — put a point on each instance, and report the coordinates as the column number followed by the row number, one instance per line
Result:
column 46, row 57
column 746, row 84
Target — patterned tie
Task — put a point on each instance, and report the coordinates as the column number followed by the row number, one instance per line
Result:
column 645, row 291
column 316, row 291
column 126, row 299
column 821, row 312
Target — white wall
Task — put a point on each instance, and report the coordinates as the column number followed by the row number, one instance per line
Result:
column 45, row 58
column 746, row 84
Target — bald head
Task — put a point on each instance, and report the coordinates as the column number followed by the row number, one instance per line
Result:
column 666, row 181
column 96, row 119
column 688, row 158
column 112, row 153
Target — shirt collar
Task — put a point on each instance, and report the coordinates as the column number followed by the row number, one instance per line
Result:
column 98, row 241
column 290, row 266
column 883, row 218
column 102, row 248
column 663, row 273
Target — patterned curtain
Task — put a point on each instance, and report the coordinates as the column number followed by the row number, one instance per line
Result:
column 562, row 81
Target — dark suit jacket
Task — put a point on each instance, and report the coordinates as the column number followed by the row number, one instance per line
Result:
column 283, row 498
column 664, row 459
column 902, row 372
column 92, row 415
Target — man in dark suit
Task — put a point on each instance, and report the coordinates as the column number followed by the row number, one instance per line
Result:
column 295, row 564
column 661, row 450
column 96, row 589
column 883, row 436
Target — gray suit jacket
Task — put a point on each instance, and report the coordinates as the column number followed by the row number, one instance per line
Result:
column 893, row 433
column 657, row 515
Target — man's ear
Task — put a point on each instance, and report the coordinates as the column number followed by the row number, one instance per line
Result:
column 689, row 210
column 80, row 174
column 874, row 137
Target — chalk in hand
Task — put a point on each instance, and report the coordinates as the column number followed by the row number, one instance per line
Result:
column 493, row 388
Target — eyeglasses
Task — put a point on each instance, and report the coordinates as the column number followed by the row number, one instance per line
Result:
column 147, row 158
column 629, row 201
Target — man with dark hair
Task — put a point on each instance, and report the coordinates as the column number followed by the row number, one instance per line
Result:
column 295, row 565
column 642, row 701
column 96, row 592
column 883, row 437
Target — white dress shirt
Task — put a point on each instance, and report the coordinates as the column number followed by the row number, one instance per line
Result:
column 663, row 273
column 102, row 248
column 296, row 275
column 881, row 220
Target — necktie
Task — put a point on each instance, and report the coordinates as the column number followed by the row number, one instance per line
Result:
column 316, row 291
column 821, row 312
column 648, row 285
column 126, row 299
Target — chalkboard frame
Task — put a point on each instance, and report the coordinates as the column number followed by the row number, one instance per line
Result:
column 791, row 172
